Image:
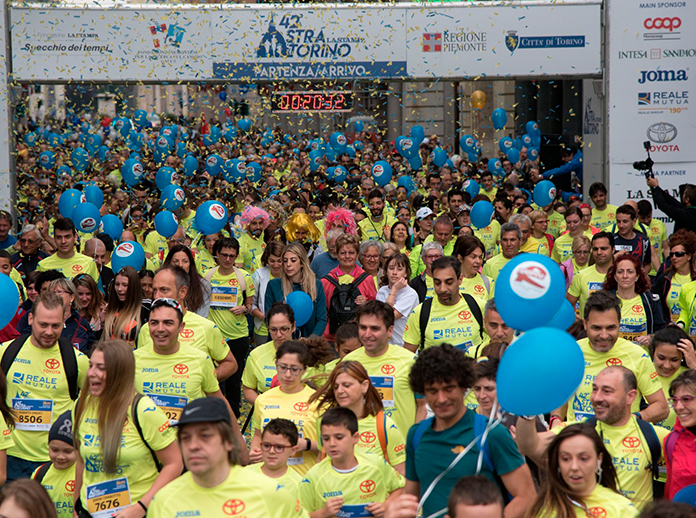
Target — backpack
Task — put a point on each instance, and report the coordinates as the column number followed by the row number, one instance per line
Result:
column 67, row 354
column 136, row 421
column 428, row 306
column 41, row 472
column 342, row 305
column 381, row 420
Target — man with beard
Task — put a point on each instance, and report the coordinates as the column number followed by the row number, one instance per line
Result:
column 377, row 224
column 323, row 263
column 251, row 243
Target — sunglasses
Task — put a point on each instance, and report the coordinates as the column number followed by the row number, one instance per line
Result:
column 171, row 303
column 677, row 254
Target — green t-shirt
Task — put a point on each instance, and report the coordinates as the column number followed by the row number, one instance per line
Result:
column 260, row 368
column 226, row 291
column 604, row 219
column 76, row 265
column 585, row 283
column 60, row 486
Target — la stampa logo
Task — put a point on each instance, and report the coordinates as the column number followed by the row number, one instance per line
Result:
column 173, row 34
column 272, row 44
column 432, row 42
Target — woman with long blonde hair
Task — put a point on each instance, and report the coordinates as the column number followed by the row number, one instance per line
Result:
column 298, row 276
column 122, row 438
column 125, row 313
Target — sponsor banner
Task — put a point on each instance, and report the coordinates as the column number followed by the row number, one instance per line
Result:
column 497, row 41
column 652, row 53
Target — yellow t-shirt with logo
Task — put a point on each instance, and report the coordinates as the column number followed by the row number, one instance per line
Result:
column 624, row 353
column 375, row 229
column 274, row 404
column 604, row 219
column 557, row 224
column 476, row 287
column 672, row 301
column 687, row 303
column 665, row 384
column 389, row 375
column 204, row 261
column 250, row 252
column 200, row 333
column 60, row 486
column 371, row 481
column 490, row 194
column 602, row 502
column 155, row 243
column 260, row 368
column 291, row 480
column 242, row 494
column 631, row 456
column 562, row 248
column 534, row 246
column 226, row 290
column 6, row 440
column 72, row 267
column 454, row 325
column 37, row 391
column 657, row 234
column 490, row 236
column 173, row 380
column 135, row 462
column 493, row 266
column 585, row 283
column 634, row 322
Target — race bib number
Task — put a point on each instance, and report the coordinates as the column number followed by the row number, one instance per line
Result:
column 171, row 405
column 465, row 347
column 223, row 297
column 632, row 332
column 594, row 286
column 675, row 313
column 385, row 387
column 107, row 498
column 33, row 414
column 297, row 458
column 354, row 511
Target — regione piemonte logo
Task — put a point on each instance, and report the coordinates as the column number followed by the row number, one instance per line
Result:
column 432, row 42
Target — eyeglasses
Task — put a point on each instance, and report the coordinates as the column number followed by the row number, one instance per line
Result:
column 677, row 254
column 685, row 400
column 172, row 303
column 277, row 448
column 61, row 292
column 285, row 368
column 284, row 329
column 371, row 257
column 432, row 257
column 228, row 256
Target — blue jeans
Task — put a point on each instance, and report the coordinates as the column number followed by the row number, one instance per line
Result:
column 19, row 468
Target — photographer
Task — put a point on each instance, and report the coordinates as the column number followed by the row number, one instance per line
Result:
column 684, row 213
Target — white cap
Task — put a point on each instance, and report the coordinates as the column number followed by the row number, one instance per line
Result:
column 424, row 212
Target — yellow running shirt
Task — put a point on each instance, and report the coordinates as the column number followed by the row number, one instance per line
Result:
column 657, row 234
column 562, row 248
column 493, row 266
column 585, row 283
column 291, row 480
column 672, row 301
column 155, row 243
column 136, row 470
column 260, row 368
column 634, row 322
column 171, row 381
column 490, row 236
column 37, row 391
column 477, row 286
column 557, row 224
column 687, row 303
column 275, row 404
column 604, row 219
column 389, row 375
column 227, row 293
column 244, row 494
column 454, row 325
column 60, row 486
column 250, row 252
column 6, row 440
column 665, row 383
column 76, row 265
column 602, row 502
column 372, row 480
column 624, row 353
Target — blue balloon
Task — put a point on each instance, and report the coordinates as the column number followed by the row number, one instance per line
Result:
column 686, row 495
column 31, row 138
column 351, row 151
column 513, row 155
column 190, row 165
column 406, row 182
column 128, row 253
column 564, row 317
column 68, row 201
column 417, row 134
column 439, row 157
column 505, row 144
column 544, row 193
column 172, row 197
column 539, row 371
column 223, row 96
column 253, row 172
column 86, row 217
column 359, row 126
column 338, row 142
column 494, row 166
column 132, row 171
column 315, row 158
column 216, row 133
column 331, row 155
column 415, row 162
column 94, row 195
column 213, row 164
column 499, row 118
column 536, row 141
column 94, row 140
column 472, row 156
column 518, row 143
column 47, row 159
column 166, row 224
column 472, row 187
column 230, row 134
column 181, row 149
column 467, row 143
column 80, row 159
column 482, row 214
column 532, row 153
column 526, row 141
column 382, row 172
column 302, row 306
column 407, row 147
column 165, row 176
column 244, row 125
column 140, row 119
column 340, row 174
column 103, row 153
column 113, row 226
column 10, row 297
column 211, row 217
column 532, row 128
column 64, row 169
column 529, row 290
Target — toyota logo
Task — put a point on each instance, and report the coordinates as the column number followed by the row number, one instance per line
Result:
column 180, row 368
column 367, row 486
column 368, row 437
column 388, row 369
column 233, row 507
column 301, row 407
column 662, row 132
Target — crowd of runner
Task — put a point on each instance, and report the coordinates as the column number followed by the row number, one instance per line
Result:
column 333, row 350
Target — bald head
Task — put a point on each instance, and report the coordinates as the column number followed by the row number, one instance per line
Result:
column 95, row 249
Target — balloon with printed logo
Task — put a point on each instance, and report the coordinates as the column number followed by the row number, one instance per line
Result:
column 505, row 144
column 382, row 172
column 350, row 150
column 94, row 140
column 513, row 155
column 406, row 182
column 415, row 162
column 534, row 378
column 338, row 142
column 472, row 187
column 166, row 224
column 31, row 138
column 481, row 214
column 331, row 155
column 239, row 170
column 564, row 317
column 172, row 197
column 211, row 217
column 302, row 306
column 359, row 126
column 86, row 217
column 253, row 172
column 439, row 157
column 529, row 290
column 10, row 296
column 244, row 125
column 69, row 200
column 544, row 193
column 499, row 118
column 467, row 143
column 340, row 174
column 79, row 159
column 103, row 153
column 132, row 171
column 417, row 134
column 526, row 141
column 128, row 253
column 315, row 158
column 478, row 99
column 407, row 147
column 190, row 165
column 94, row 195
column 165, row 176
column 213, row 164
column 532, row 128
column 532, row 153
column 47, row 159
column 140, row 119
column 494, row 166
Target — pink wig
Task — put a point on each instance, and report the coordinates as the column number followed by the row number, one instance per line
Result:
column 345, row 218
column 251, row 213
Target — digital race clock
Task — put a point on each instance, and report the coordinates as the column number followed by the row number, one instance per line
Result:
column 320, row 101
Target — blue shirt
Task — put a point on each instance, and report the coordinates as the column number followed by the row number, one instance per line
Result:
column 322, row 264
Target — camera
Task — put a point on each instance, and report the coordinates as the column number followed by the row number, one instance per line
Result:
column 645, row 165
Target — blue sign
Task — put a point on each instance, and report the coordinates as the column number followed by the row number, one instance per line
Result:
column 513, row 41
